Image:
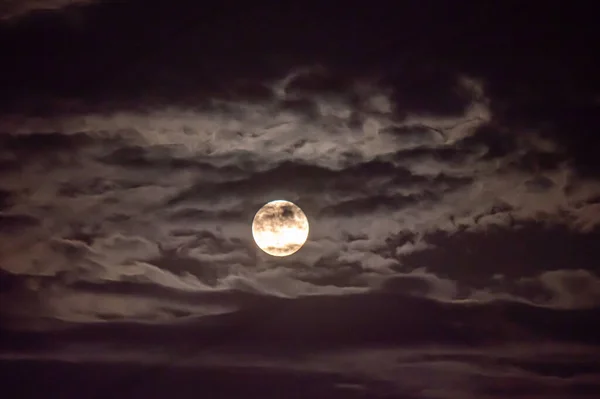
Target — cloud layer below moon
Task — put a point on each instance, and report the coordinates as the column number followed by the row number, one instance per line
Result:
column 433, row 350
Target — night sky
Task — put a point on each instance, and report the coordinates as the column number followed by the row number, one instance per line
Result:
column 445, row 154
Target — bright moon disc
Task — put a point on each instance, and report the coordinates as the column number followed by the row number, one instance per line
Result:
column 280, row 228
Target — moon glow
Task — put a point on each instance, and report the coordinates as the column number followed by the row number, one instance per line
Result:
column 280, row 228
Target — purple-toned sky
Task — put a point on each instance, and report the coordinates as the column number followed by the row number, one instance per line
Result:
column 444, row 154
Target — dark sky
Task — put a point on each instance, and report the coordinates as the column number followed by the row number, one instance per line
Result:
column 445, row 154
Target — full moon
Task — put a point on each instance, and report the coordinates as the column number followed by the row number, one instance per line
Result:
column 280, row 228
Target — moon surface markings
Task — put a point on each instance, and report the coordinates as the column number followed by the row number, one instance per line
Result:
column 280, row 228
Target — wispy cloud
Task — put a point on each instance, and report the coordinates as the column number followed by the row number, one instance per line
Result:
column 10, row 9
column 165, row 196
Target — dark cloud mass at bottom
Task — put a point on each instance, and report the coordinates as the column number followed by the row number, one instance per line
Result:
column 318, row 346
column 444, row 155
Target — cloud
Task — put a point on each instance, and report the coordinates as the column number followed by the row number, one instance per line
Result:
column 88, row 307
column 18, row 8
column 369, row 261
column 556, row 289
column 453, row 222
column 410, row 247
column 165, row 196
column 12, row 223
column 420, row 283
column 572, row 288
column 312, row 322
column 475, row 255
column 517, row 371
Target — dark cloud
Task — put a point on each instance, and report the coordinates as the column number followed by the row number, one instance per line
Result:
column 159, row 157
column 497, row 143
column 534, row 247
column 13, row 223
column 134, row 289
column 314, row 324
column 376, row 203
column 544, row 365
column 15, row 9
column 209, row 268
column 408, row 285
column 453, row 375
column 45, row 142
column 191, row 214
column 93, row 186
